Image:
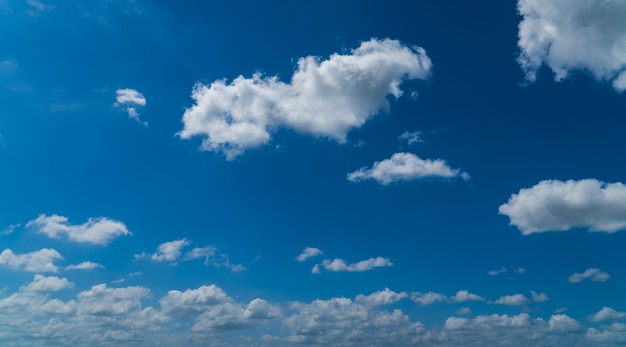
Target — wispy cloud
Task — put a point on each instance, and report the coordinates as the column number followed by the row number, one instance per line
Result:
column 130, row 100
column 593, row 274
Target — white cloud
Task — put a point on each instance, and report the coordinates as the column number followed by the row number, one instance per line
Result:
column 383, row 297
column 192, row 301
column 411, row 138
column 563, row 323
column 594, row 274
column 512, row 300
column 465, row 296
column 340, row 265
column 342, row 322
column 325, row 98
column 47, row 284
column 309, row 252
column 10, row 229
column 130, row 99
column 606, row 313
column 520, row 270
column 99, row 231
column 611, row 335
column 103, row 301
column 539, row 297
column 36, row 7
column 405, row 167
column 464, row 311
column 496, row 272
column 554, row 205
column 169, row 251
column 569, row 35
column 429, row 298
column 86, row 265
column 37, row 261
column 213, row 258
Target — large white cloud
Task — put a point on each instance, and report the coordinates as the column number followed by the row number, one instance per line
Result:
column 325, row 98
column 405, row 167
column 569, row 35
column 37, row 261
column 99, row 231
column 593, row 274
column 554, row 205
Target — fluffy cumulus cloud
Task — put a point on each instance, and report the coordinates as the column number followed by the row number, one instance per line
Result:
column 554, row 205
column 325, row 98
column 340, row 265
column 520, row 299
column 593, row 274
column 130, row 100
column 568, row 35
column 405, row 167
column 37, row 261
column 309, row 252
column 606, row 313
column 99, row 231
column 48, row 284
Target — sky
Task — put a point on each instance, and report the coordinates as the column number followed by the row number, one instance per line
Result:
column 328, row 173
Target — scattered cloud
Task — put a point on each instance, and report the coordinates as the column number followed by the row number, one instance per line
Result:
column 10, row 229
column 554, row 205
column 405, row 167
column 47, row 284
column 169, row 251
column 309, row 252
column 130, row 99
column 569, row 35
column 411, row 138
column 464, row 311
column 99, row 231
column 86, row 265
column 380, row 298
column 430, row 298
column 36, row 7
column 340, row 265
column 605, row 314
column 8, row 67
column 520, row 299
column 520, row 270
column 594, row 274
column 354, row 88
column 37, row 261
column 212, row 257
column 496, row 272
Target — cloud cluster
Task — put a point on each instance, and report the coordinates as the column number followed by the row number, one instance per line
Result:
column 325, row 98
column 405, row 167
column 99, row 231
column 594, row 274
column 521, row 299
column 37, row 261
column 430, row 298
column 568, row 35
column 554, row 205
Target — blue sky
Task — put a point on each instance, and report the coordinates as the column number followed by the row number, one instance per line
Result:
column 322, row 174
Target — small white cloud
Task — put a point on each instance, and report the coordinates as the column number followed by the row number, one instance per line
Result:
column 309, row 252
column 37, row 261
column 464, row 311
column 554, row 205
column 316, row 269
column 605, row 314
column 465, row 296
column 594, row 274
column 325, row 98
column 405, row 167
column 340, row 265
column 426, row 299
column 496, row 272
column 99, row 231
column 86, row 265
column 569, row 35
column 47, row 284
column 130, row 99
column 539, row 297
column 10, row 229
column 169, row 251
column 520, row 270
column 212, row 257
column 512, row 300
column 383, row 297
column 411, row 138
